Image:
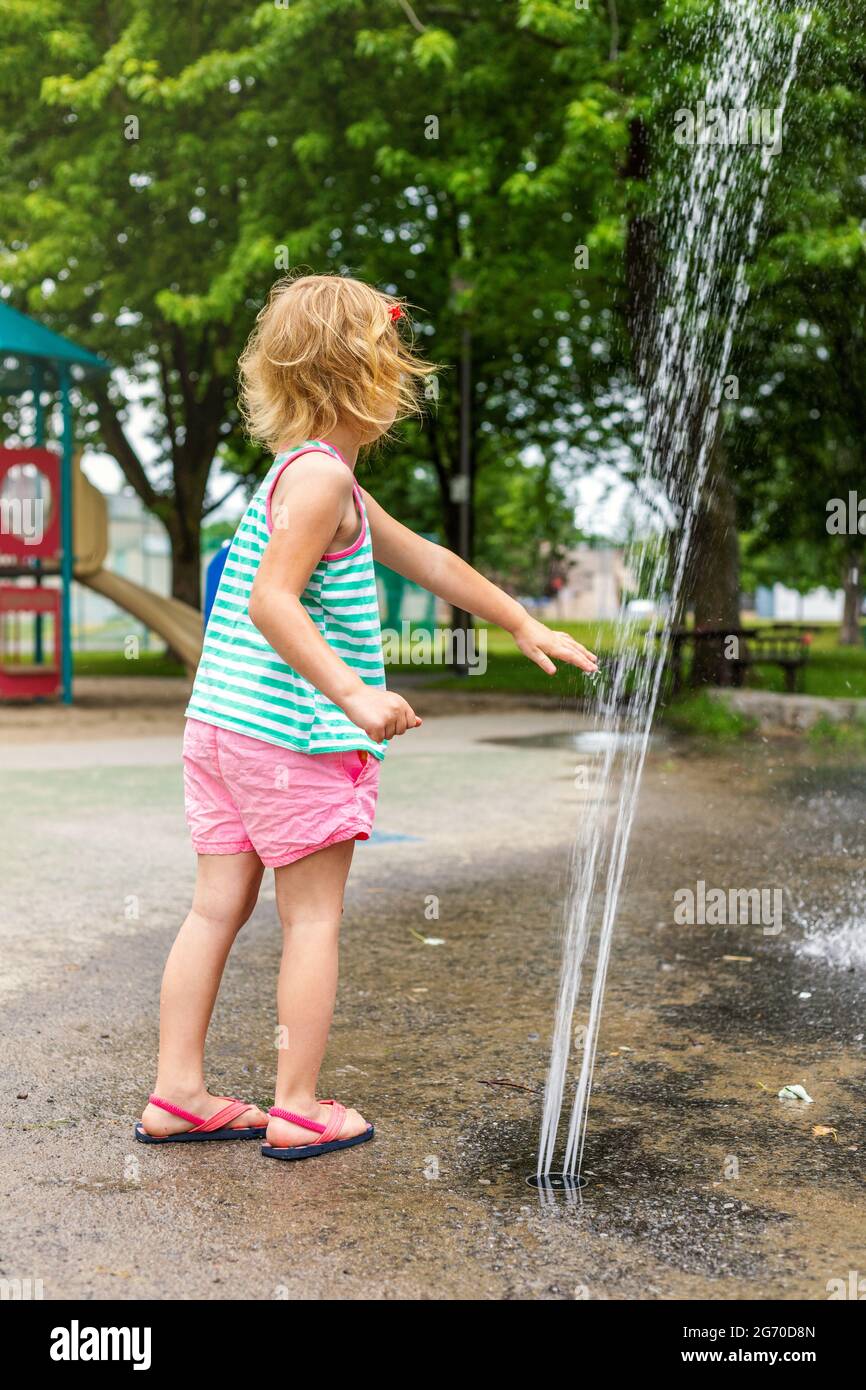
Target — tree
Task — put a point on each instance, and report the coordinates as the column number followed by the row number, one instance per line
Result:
column 121, row 189
column 465, row 158
column 810, row 228
column 174, row 160
column 689, row 216
column 800, row 432
column 161, row 167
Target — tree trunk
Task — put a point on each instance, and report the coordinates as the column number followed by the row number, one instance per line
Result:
column 713, row 580
column 462, row 621
column 183, row 524
column 179, row 504
column 852, row 583
column 186, row 571
column 641, row 258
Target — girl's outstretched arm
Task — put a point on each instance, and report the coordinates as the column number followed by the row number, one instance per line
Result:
column 450, row 578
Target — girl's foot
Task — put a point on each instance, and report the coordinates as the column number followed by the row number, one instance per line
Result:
column 159, row 1123
column 284, row 1135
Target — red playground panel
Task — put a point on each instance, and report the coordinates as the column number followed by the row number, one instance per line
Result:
column 18, row 680
column 29, row 504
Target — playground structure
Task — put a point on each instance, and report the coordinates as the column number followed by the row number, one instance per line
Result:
column 53, row 522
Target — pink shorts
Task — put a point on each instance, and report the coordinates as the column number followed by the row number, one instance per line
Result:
column 243, row 794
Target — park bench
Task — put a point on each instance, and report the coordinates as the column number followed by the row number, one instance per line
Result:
column 784, row 646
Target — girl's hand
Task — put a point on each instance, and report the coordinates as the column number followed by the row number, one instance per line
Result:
column 380, row 714
column 540, row 643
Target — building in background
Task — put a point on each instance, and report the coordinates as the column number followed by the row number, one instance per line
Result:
column 786, row 605
column 592, row 589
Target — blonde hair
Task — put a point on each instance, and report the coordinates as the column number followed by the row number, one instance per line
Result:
column 326, row 348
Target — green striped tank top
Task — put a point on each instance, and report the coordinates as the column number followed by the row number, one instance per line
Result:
column 241, row 682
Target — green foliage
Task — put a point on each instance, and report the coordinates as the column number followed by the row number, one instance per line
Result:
column 705, row 717
column 800, row 427
column 215, row 533
column 160, row 164
column 800, row 564
column 435, row 47
column 528, row 524
column 844, row 736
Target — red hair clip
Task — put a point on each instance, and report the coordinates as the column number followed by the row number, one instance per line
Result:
column 396, row 312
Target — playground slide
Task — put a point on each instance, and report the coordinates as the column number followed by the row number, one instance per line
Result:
column 176, row 623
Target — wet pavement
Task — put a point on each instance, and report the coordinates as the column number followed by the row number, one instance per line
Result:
column 701, row 1182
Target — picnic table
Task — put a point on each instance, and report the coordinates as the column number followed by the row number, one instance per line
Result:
column 783, row 645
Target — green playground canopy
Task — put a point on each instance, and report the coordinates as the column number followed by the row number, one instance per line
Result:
column 25, row 344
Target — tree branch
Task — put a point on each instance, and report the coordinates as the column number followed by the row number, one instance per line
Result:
column 181, row 362
column 214, row 506
column 122, row 451
column 412, row 17
column 614, row 31
column 169, row 411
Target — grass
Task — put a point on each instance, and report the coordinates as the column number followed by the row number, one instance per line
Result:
column 705, row 717
column 116, row 664
column 846, row 736
column 509, row 672
column 837, row 673
column 834, row 671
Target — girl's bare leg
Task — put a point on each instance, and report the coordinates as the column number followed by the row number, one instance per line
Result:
column 310, row 904
column 226, row 890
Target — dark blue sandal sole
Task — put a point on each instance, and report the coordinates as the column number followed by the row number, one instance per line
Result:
column 251, row 1132
column 313, row 1150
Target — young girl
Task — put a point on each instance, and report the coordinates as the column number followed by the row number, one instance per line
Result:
column 289, row 716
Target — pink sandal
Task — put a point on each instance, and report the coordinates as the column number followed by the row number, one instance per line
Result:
column 217, row 1127
column 327, row 1141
